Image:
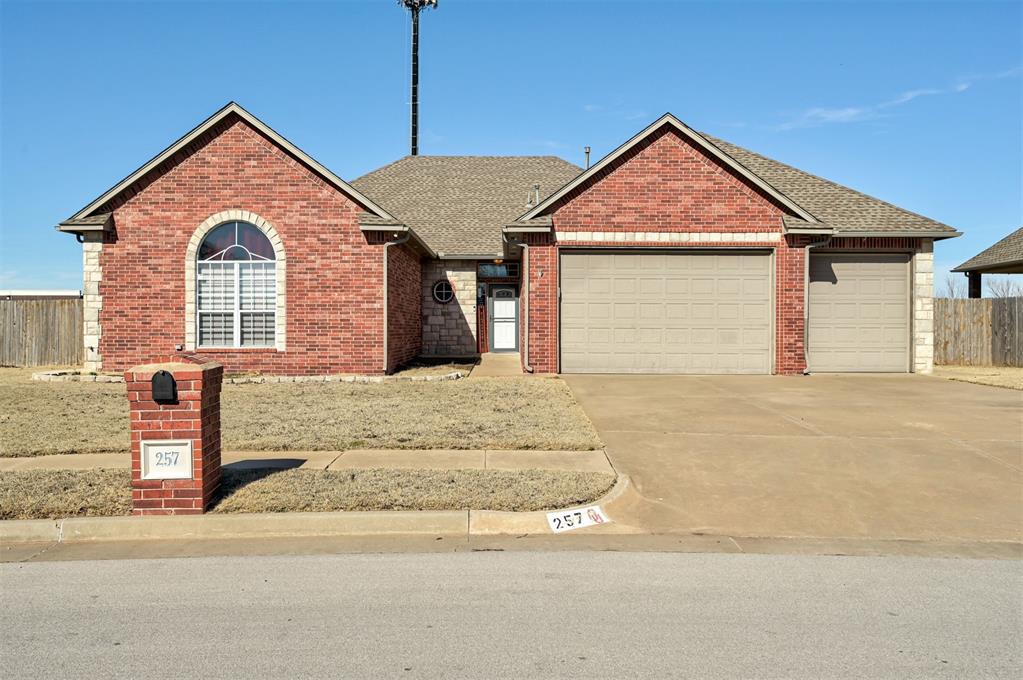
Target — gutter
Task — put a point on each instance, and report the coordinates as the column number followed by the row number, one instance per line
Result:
column 806, row 300
column 937, row 235
column 525, row 308
column 398, row 229
column 403, row 239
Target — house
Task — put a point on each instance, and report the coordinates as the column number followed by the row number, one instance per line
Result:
column 676, row 253
column 1004, row 257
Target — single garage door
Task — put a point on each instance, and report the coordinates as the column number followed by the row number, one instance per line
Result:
column 666, row 312
column 859, row 313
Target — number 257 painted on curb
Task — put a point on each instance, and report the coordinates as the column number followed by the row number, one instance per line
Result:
column 566, row 520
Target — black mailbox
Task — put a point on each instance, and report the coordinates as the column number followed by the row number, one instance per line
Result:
column 165, row 389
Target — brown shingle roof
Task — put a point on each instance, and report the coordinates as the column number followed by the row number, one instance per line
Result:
column 836, row 206
column 1005, row 253
column 95, row 222
column 459, row 204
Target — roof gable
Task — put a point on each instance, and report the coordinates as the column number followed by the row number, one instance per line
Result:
column 73, row 223
column 693, row 137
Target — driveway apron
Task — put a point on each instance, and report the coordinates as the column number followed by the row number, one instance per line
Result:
column 827, row 456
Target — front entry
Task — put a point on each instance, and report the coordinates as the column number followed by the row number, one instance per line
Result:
column 504, row 318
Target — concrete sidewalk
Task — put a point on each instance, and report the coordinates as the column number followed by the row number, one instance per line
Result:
column 499, row 365
column 435, row 459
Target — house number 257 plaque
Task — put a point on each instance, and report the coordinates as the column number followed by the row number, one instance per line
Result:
column 167, row 459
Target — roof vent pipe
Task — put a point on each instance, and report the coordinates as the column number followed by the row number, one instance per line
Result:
column 587, row 150
column 536, row 194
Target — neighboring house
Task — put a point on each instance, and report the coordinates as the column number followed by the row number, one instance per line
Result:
column 1004, row 257
column 677, row 253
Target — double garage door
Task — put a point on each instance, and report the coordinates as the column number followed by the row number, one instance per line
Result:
column 665, row 312
column 684, row 312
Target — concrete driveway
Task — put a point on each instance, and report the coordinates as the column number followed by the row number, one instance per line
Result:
column 853, row 456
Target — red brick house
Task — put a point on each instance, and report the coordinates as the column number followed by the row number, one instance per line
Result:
column 676, row 253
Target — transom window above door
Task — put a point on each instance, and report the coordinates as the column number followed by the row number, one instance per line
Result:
column 236, row 291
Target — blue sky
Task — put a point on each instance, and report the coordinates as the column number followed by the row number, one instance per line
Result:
column 918, row 103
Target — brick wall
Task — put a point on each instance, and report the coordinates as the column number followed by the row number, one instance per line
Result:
column 334, row 273
column 664, row 192
column 404, row 305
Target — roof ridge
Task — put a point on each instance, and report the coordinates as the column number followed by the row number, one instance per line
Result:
column 825, row 180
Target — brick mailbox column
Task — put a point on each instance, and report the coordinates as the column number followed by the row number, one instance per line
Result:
column 175, row 444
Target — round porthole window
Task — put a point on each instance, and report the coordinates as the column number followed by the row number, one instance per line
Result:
column 443, row 292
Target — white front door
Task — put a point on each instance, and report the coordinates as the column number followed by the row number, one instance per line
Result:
column 504, row 318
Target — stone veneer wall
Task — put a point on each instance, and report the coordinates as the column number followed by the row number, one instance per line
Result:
column 92, row 300
column 923, row 307
column 450, row 329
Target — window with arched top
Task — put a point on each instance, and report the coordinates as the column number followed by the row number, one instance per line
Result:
column 236, row 287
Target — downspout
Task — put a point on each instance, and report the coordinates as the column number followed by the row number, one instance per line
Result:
column 806, row 301
column 525, row 308
column 398, row 242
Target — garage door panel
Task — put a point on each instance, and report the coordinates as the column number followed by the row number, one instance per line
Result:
column 677, row 310
column 859, row 312
column 651, row 310
column 756, row 312
column 671, row 313
column 651, row 286
column 728, row 311
column 624, row 286
column 573, row 310
column 676, row 286
column 702, row 287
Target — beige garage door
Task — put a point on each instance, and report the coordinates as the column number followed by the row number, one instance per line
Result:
column 859, row 313
column 661, row 312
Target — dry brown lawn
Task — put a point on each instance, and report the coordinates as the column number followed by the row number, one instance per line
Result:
column 996, row 376
column 432, row 367
column 38, row 418
column 54, row 494
column 386, row 489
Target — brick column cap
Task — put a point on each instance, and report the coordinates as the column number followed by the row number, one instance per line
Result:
column 173, row 363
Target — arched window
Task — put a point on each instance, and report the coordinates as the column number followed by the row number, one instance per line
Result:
column 236, row 290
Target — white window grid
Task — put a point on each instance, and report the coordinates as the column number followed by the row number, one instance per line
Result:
column 236, row 301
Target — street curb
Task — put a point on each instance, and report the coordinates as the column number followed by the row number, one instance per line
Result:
column 439, row 524
column 30, row 530
column 452, row 523
column 498, row 522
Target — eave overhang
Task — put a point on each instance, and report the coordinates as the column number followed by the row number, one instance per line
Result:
column 102, row 222
column 1011, row 267
column 397, row 229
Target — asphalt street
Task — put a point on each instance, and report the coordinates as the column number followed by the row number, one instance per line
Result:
column 513, row 615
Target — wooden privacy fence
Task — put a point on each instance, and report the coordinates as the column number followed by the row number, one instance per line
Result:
column 41, row 332
column 979, row 332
